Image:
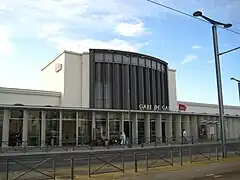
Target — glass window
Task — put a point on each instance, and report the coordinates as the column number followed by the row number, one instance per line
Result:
column 69, row 115
column 117, row 58
column 1, row 124
column 15, row 127
column 99, row 57
column 16, row 114
column 52, row 128
column 108, row 57
column 34, row 128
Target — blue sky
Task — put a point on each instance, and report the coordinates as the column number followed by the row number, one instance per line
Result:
column 33, row 32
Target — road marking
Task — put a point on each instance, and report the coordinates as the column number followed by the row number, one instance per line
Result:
column 209, row 175
column 217, row 176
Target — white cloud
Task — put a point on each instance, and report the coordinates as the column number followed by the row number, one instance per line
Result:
column 189, row 58
column 196, row 47
column 128, row 29
column 6, row 46
column 83, row 45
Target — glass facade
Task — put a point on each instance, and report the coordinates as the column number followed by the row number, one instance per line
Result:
column 52, row 127
column 15, row 127
column 84, row 127
column 114, row 125
column 69, row 128
column 119, row 79
column 34, row 128
column 1, row 124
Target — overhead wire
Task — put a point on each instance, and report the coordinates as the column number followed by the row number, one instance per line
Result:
column 186, row 14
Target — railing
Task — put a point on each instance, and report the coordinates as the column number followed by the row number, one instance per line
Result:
column 94, row 163
column 43, row 146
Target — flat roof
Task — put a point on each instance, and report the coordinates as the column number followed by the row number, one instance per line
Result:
column 29, row 91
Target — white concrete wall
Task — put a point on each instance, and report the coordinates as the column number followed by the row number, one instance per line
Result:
column 72, row 81
column 172, row 89
column 11, row 96
column 72, row 96
column 85, row 80
column 209, row 108
column 51, row 80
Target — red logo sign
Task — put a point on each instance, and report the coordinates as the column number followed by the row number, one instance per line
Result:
column 182, row 107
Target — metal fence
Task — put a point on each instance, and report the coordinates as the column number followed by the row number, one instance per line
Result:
column 26, row 147
column 91, row 163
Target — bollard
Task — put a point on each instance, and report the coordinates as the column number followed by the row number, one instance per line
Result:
column 7, row 169
column 54, row 169
column 89, row 165
column 217, row 153
column 209, row 154
column 72, row 168
column 180, row 154
column 146, row 156
column 135, row 162
column 123, row 163
column 171, row 154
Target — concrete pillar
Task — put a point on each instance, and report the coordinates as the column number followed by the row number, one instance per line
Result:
column 194, row 126
column 235, row 128
column 77, row 127
column 226, row 127
column 122, row 123
column 238, row 133
column 108, row 125
column 230, row 128
column 147, row 128
column 169, row 132
column 43, row 128
column 135, row 129
column 25, row 128
column 93, row 125
column 60, row 128
column 178, row 128
column 5, row 130
column 186, row 125
column 208, row 125
column 158, row 128
column 200, row 122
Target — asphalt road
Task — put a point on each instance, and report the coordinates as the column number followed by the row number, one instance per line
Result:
column 17, row 163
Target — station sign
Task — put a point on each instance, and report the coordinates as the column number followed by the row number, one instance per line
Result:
column 149, row 107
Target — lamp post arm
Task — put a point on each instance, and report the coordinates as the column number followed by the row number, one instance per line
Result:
column 212, row 21
column 225, row 52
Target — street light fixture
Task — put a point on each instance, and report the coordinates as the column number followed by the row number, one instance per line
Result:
column 218, row 74
column 238, row 81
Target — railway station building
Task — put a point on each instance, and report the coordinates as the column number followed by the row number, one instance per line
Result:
column 101, row 93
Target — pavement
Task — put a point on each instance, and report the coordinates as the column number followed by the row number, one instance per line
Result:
column 223, row 170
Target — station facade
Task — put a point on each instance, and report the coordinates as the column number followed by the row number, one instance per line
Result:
column 101, row 93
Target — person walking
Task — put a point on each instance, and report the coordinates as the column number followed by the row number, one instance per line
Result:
column 185, row 140
column 123, row 138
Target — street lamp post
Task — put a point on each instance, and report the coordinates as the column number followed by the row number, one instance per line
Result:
column 129, row 108
column 238, row 81
column 218, row 74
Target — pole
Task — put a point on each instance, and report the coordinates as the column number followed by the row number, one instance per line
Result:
column 219, row 87
column 129, row 110
column 239, row 90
